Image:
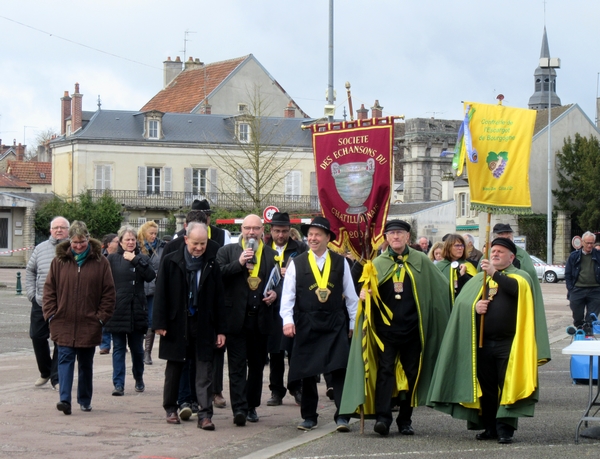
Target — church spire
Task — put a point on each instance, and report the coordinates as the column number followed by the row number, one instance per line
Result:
column 545, row 80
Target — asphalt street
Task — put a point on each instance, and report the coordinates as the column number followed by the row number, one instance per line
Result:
column 133, row 426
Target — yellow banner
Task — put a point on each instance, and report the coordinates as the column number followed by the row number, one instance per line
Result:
column 501, row 141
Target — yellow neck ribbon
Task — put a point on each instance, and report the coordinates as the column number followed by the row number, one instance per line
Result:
column 258, row 254
column 279, row 258
column 321, row 278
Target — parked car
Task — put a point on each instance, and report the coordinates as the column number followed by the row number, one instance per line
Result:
column 550, row 273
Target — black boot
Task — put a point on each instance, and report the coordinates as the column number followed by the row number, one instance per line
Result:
column 148, row 343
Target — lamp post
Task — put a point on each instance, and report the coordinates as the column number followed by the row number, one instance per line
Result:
column 549, row 63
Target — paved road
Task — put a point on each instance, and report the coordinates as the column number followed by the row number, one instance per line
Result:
column 133, row 426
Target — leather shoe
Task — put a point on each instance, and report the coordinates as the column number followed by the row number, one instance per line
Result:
column 219, row 401
column 329, row 393
column 307, row 424
column 172, row 418
column 298, row 397
column 185, row 411
column 205, row 424
column 382, row 428
column 65, row 407
column 252, row 416
column 505, row 440
column 86, row 407
column 239, row 419
column 118, row 392
column 104, row 351
column 486, row 435
column 275, row 400
column 406, row 429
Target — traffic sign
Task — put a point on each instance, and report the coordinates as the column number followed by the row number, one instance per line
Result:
column 268, row 213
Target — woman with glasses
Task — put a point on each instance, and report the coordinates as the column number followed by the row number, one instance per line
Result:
column 79, row 297
column 130, row 269
column 454, row 264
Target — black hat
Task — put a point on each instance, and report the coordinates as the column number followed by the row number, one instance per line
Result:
column 510, row 245
column 396, row 225
column 502, row 228
column 203, row 205
column 281, row 219
column 318, row 222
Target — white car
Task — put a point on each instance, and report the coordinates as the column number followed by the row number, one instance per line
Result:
column 550, row 273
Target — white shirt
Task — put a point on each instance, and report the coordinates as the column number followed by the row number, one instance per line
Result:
column 288, row 294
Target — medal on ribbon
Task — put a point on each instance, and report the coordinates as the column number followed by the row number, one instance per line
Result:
column 398, row 276
column 322, row 291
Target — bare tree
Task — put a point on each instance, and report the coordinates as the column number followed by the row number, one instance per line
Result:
column 41, row 145
column 262, row 154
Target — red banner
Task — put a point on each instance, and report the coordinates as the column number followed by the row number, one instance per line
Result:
column 353, row 160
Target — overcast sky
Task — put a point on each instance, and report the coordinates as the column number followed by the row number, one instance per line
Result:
column 419, row 58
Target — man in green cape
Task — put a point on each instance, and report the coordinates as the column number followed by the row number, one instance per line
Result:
column 491, row 387
column 398, row 332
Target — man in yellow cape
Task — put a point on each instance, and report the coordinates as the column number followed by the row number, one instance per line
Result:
column 491, row 387
column 398, row 332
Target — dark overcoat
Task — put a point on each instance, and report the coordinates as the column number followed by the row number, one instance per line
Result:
column 130, row 309
column 171, row 305
column 235, row 281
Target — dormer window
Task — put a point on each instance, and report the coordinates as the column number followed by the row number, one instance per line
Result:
column 153, row 125
column 243, row 133
column 243, row 108
column 153, row 129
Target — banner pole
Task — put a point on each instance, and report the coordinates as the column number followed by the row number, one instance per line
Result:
column 487, row 257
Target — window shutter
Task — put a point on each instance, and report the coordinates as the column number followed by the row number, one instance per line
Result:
column 108, row 177
column 313, row 184
column 187, row 179
column 142, row 180
column 168, row 171
column 213, row 181
column 99, row 178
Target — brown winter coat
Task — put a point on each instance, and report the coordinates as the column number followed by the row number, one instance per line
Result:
column 78, row 300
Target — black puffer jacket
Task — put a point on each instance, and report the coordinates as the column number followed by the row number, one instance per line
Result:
column 130, row 308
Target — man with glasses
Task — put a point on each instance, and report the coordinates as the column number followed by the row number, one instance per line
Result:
column 246, row 267
column 287, row 249
column 409, row 321
column 582, row 275
column 36, row 273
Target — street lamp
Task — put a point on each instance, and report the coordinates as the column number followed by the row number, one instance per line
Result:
column 549, row 63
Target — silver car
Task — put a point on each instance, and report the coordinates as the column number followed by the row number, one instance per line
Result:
column 550, row 273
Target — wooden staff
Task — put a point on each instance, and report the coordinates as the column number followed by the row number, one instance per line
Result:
column 485, row 291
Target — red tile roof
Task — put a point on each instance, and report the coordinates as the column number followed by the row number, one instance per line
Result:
column 191, row 87
column 9, row 181
column 32, row 172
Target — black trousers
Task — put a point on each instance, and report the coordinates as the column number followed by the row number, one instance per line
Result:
column 408, row 348
column 310, row 395
column 39, row 332
column 218, row 367
column 246, row 359
column 492, row 360
column 276, row 374
column 202, row 378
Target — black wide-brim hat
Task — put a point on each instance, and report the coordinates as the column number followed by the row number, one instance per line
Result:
column 281, row 219
column 203, row 205
column 504, row 242
column 318, row 222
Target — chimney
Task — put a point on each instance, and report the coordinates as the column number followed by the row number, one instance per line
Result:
column 289, row 111
column 65, row 112
column 207, row 109
column 376, row 110
column 170, row 70
column 361, row 114
column 193, row 64
column 76, row 110
column 20, row 152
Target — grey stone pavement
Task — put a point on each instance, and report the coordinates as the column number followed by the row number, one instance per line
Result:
column 133, row 426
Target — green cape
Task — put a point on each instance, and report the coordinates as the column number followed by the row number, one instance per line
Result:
column 433, row 303
column 454, row 389
column 445, row 265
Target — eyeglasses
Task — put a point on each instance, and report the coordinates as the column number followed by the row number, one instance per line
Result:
column 459, row 246
column 59, row 228
column 396, row 233
column 252, row 228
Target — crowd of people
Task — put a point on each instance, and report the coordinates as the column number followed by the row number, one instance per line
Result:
column 439, row 325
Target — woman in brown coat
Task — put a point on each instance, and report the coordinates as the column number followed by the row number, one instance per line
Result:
column 79, row 297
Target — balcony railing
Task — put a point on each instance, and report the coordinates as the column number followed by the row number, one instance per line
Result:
column 173, row 200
